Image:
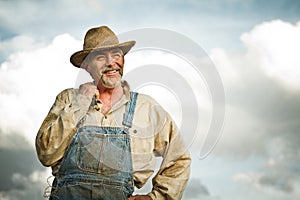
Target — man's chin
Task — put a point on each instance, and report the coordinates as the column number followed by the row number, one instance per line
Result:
column 111, row 84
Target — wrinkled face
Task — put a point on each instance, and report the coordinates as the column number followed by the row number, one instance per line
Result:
column 106, row 67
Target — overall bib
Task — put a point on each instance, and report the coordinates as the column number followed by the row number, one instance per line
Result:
column 97, row 163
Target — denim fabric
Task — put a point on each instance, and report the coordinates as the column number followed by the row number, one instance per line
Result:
column 97, row 163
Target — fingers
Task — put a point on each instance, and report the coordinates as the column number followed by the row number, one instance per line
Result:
column 89, row 90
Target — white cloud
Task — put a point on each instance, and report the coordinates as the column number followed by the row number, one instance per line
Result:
column 31, row 79
column 248, row 177
column 19, row 43
column 281, row 170
column 260, row 106
column 276, row 45
column 262, row 87
column 225, row 66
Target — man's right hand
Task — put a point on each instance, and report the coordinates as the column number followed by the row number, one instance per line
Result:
column 89, row 90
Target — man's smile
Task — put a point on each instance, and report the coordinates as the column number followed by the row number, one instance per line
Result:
column 111, row 71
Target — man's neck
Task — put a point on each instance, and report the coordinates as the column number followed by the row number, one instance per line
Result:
column 109, row 96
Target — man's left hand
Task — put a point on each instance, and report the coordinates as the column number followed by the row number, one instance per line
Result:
column 140, row 197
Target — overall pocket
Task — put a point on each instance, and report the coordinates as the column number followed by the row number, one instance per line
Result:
column 103, row 153
column 115, row 154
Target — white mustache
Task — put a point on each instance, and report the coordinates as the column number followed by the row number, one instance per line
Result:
column 109, row 68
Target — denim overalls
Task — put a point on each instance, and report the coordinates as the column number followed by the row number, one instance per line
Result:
column 97, row 163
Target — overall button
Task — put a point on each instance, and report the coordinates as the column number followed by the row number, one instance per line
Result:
column 96, row 107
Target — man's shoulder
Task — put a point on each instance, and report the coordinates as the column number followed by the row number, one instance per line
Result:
column 144, row 98
column 67, row 93
column 147, row 102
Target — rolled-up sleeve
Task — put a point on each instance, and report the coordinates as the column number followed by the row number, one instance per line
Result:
column 59, row 126
column 170, row 181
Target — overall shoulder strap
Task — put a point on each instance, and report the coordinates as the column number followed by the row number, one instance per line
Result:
column 129, row 111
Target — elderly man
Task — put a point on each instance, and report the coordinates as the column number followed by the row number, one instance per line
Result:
column 101, row 140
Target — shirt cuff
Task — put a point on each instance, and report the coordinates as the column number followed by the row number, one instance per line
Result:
column 156, row 195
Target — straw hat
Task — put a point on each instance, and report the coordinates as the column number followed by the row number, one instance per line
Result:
column 97, row 39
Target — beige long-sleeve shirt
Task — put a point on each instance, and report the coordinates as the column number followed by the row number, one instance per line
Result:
column 153, row 134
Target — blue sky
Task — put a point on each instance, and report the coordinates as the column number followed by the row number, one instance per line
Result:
column 252, row 43
column 226, row 20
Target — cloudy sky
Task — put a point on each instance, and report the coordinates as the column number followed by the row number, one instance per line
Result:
column 253, row 44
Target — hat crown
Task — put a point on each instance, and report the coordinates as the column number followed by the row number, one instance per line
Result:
column 99, row 37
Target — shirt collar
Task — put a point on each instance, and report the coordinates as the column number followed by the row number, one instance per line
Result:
column 125, row 97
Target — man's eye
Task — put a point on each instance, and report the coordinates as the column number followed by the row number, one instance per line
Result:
column 100, row 57
column 116, row 55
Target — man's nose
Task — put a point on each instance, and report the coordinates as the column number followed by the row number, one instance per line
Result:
column 109, row 59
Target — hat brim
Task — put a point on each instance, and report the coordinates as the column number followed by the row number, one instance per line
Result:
column 78, row 57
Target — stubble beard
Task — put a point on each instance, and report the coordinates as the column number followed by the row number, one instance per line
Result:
column 110, row 83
